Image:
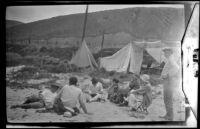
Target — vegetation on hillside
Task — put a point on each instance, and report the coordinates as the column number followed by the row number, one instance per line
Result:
column 140, row 23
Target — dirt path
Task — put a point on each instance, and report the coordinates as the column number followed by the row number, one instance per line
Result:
column 102, row 112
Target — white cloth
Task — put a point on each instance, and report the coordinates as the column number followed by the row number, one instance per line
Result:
column 48, row 98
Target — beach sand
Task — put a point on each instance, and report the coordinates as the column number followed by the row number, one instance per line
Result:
column 101, row 111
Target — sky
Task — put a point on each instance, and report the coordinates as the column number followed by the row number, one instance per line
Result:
column 28, row 14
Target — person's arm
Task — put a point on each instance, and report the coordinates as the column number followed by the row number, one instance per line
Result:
column 58, row 94
column 82, row 104
column 140, row 90
column 174, row 69
column 100, row 88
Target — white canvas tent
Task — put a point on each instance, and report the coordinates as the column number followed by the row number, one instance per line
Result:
column 127, row 59
column 130, row 57
column 83, row 57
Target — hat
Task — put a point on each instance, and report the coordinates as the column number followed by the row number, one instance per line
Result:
column 56, row 85
column 145, row 77
column 167, row 49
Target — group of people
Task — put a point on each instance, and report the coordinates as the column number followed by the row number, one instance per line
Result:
column 137, row 95
column 69, row 99
column 139, row 92
column 64, row 100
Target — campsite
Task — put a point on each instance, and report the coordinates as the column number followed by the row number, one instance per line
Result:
column 121, row 43
column 22, row 81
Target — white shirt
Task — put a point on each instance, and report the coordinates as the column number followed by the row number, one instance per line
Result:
column 96, row 89
column 69, row 95
column 48, row 98
column 171, row 68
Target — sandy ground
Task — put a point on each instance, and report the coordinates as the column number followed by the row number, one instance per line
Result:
column 101, row 111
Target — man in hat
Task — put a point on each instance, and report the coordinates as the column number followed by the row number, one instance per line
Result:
column 170, row 76
column 44, row 99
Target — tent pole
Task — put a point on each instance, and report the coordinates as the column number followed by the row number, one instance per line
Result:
column 84, row 26
column 102, row 43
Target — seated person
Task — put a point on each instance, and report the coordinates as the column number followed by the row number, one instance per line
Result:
column 113, row 90
column 140, row 98
column 44, row 99
column 95, row 91
column 134, row 84
column 68, row 98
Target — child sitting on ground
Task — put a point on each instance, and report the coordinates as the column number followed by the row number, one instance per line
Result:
column 140, row 98
column 44, row 99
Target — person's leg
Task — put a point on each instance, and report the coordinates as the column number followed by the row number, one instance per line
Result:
column 34, row 105
column 132, row 103
column 109, row 95
column 93, row 95
column 95, row 98
column 168, row 101
column 31, row 99
column 87, row 97
column 59, row 107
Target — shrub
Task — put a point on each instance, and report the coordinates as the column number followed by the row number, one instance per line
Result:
column 16, row 48
column 50, row 60
column 60, row 68
column 26, row 73
column 43, row 75
column 102, row 70
column 43, row 49
column 111, row 73
column 72, row 68
column 41, row 61
column 32, row 60
column 13, row 59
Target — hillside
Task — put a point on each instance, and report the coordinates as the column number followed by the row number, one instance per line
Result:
column 119, row 26
column 137, row 23
column 12, row 23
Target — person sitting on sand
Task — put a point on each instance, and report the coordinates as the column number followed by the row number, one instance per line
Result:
column 44, row 99
column 124, row 92
column 113, row 90
column 95, row 91
column 142, row 96
column 68, row 98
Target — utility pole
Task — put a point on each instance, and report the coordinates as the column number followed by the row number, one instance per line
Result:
column 84, row 26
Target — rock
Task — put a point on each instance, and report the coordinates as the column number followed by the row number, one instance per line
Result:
column 25, row 115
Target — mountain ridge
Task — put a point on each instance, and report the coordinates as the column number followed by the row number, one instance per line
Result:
column 139, row 23
column 12, row 23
